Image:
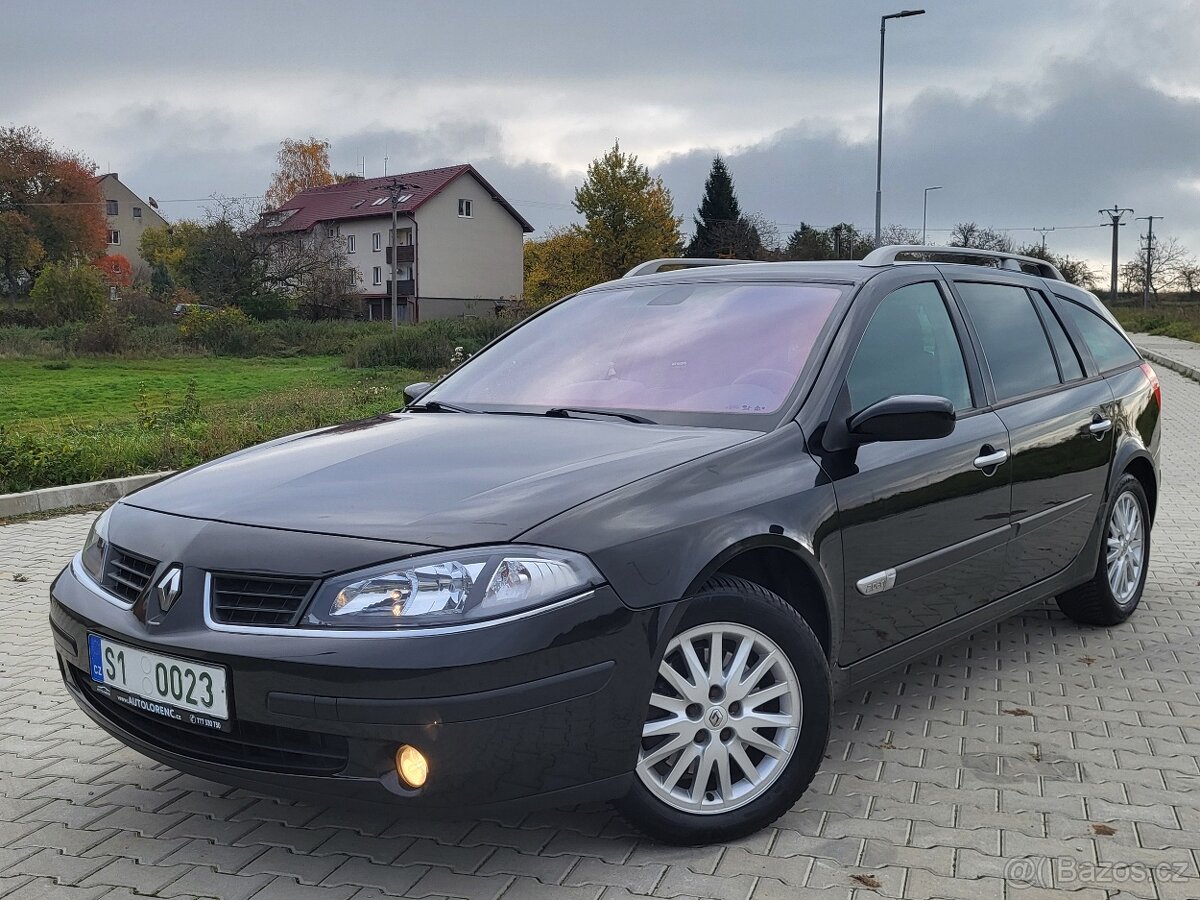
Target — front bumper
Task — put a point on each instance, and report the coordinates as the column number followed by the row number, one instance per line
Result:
column 542, row 710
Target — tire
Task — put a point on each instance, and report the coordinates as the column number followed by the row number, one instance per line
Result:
column 1109, row 598
column 703, row 721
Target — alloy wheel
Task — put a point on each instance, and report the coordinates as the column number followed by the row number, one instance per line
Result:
column 724, row 719
column 1126, row 554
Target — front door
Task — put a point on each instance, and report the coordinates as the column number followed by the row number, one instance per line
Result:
column 924, row 523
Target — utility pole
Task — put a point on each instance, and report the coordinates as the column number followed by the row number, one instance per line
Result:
column 1114, row 216
column 837, row 241
column 924, row 214
column 1149, row 220
column 1043, row 231
column 396, row 190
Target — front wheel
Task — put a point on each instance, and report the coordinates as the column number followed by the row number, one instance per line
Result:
column 737, row 720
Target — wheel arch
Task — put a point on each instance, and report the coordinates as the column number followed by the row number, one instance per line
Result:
column 1138, row 463
column 784, row 567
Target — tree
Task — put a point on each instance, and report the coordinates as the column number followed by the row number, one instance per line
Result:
column 116, row 269
column 1076, row 271
column 302, row 164
column 20, row 251
column 721, row 229
column 558, row 264
column 57, row 204
column 64, row 292
column 1169, row 259
column 808, row 243
column 977, row 237
column 896, row 235
column 629, row 215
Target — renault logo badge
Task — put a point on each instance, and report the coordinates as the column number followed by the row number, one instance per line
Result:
column 169, row 588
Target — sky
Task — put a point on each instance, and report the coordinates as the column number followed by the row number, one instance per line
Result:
column 1029, row 113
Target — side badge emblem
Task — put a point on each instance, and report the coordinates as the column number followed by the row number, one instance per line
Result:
column 877, row 583
column 169, row 588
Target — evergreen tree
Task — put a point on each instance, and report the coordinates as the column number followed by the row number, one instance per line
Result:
column 721, row 229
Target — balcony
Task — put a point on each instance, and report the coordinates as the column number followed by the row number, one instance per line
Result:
column 403, row 255
column 404, row 288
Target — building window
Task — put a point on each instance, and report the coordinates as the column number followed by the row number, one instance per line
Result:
column 377, row 241
column 403, row 236
column 331, row 231
column 351, row 243
column 114, row 236
column 137, row 212
column 110, row 207
column 404, row 273
column 379, row 201
column 377, row 275
column 464, row 209
column 352, row 278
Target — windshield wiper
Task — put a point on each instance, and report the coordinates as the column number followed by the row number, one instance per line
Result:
column 440, row 406
column 565, row 412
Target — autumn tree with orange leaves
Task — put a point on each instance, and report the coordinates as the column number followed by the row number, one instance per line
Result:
column 51, row 207
column 116, row 269
column 303, row 164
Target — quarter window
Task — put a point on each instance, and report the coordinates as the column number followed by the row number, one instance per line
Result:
column 1068, row 359
column 909, row 347
column 1109, row 347
column 1014, row 341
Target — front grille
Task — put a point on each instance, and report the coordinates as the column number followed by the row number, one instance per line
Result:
column 127, row 574
column 249, row 745
column 243, row 600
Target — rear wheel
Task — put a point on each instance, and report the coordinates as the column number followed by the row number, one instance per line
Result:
column 737, row 721
column 1116, row 589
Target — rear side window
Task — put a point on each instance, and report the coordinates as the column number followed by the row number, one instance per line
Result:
column 909, row 347
column 1014, row 342
column 1068, row 359
column 1109, row 347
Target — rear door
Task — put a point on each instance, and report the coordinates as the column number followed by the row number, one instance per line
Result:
column 1059, row 415
column 924, row 523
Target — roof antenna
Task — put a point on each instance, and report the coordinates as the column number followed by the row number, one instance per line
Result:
column 385, row 160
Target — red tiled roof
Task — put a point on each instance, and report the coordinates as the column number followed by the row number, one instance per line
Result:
column 352, row 200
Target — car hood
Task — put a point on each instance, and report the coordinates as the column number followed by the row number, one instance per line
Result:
column 438, row 479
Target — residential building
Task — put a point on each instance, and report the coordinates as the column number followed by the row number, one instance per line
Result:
column 459, row 244
column 128, row 216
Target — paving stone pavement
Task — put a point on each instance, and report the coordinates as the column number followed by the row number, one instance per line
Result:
column 1036, row 759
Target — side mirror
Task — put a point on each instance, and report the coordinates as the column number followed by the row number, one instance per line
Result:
column 413, row 392
column 906, row 417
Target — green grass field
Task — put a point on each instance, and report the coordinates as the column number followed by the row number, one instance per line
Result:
column 34, row 394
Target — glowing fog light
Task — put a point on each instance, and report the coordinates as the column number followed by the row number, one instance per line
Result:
column 411, row 766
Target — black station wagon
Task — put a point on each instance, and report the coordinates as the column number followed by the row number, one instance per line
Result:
column 634, row 548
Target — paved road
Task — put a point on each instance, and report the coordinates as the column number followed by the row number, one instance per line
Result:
column 1037, row 751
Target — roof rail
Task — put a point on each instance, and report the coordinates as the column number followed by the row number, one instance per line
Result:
column 654, row 266
column 886, row 256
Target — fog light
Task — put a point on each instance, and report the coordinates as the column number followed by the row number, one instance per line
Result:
column 411, row 766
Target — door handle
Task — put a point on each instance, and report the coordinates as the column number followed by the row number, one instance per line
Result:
column 1099, row 426
column 990, row 460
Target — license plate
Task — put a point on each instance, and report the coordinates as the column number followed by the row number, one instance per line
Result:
column 188, row 692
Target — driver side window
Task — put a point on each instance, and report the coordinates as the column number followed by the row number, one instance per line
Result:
column 909, row 347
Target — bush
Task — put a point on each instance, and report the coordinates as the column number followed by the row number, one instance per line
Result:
column 108, row 334
column 18, row 317
column 66, row 293
column 145, row 309
column 428, row 346
column 226, row 332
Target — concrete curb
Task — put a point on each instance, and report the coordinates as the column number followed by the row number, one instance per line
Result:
column 74, row 494
column 1174, row 365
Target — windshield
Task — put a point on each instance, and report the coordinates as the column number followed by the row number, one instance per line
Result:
column 687, row 348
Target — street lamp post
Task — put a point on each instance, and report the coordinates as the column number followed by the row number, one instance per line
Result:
column 903, row 14
column 925, row 212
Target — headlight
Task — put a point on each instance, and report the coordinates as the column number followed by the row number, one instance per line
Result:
column 96, row 546
column 453, row 587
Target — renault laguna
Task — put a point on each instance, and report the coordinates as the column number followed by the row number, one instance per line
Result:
column 634, row 548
